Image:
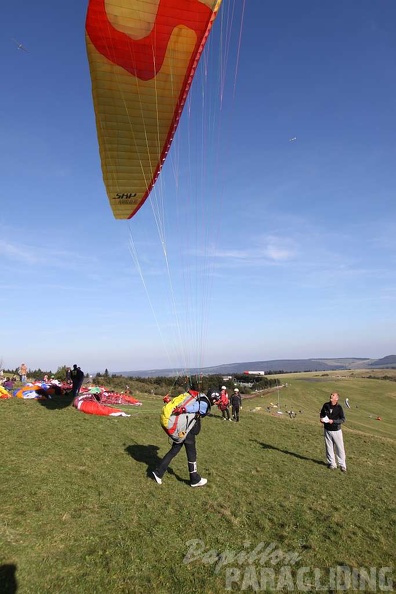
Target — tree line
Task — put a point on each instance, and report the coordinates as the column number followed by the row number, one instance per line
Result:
column 160, row 385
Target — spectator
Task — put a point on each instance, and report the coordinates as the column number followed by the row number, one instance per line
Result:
column 236, row 404
column 23, row 372
column 332, row 417
column 224, row 403
column 77, row 378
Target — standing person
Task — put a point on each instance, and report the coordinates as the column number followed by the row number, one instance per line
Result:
column 77, row 378
column 236, row 404
column 223, row 404
column 201, row 407
column 332, row 417
column 23, row 372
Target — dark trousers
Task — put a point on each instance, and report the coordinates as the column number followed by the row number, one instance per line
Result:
column 191, row 451
column 225, row 413
column 76, row 387
column 235, row 413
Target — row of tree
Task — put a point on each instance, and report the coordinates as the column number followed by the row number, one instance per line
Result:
column 160, row 385
column 173, row 385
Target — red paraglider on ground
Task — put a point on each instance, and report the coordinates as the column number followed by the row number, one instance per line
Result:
column 98, row 401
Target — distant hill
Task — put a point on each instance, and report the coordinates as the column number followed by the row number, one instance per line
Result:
column 386, row 362
column 284, row 365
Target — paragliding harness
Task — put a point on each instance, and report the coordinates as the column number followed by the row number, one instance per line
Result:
column 178, row 424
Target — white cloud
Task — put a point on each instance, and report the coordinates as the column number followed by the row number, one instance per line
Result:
column 42, row 255
column 269, row 249
column 20, row 253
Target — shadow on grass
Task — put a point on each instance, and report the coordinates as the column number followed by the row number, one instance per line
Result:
column 148, row 454
column 219, row 417
column 8, row 583
column 57, row 401
column 267, row 446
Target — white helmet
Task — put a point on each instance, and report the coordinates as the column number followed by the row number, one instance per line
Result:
column 223, row 388
column 236, row 390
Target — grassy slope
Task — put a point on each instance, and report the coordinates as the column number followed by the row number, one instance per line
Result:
column 80, row 515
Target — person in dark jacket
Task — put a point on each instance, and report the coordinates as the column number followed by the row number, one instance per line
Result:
column 332, row 417
column 77, row 378
column 236, row 404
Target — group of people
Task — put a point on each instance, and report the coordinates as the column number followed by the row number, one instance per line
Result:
column 225, row 401
column 9, row 381
column 22, row 372
column 74, row 376
column 331, row 416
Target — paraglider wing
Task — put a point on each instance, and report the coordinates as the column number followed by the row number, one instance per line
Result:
column 90, row 406
column 142, row 56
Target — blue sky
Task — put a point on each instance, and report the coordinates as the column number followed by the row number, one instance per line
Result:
column 274, row 249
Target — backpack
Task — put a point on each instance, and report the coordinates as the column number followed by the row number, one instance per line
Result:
column 178, row 426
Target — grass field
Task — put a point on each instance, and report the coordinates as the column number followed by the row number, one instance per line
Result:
column 79, row 513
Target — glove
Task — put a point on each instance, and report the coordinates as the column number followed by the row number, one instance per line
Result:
column 179, row 410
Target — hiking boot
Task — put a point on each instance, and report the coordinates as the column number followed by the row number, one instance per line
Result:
column 201, row 483
column 156, row 478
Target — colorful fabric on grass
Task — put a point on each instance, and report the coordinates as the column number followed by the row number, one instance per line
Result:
column 88, row 404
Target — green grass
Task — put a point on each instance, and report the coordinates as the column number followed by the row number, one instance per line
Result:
column 79, row 514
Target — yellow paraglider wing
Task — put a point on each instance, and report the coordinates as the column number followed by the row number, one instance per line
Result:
column 142, row 56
